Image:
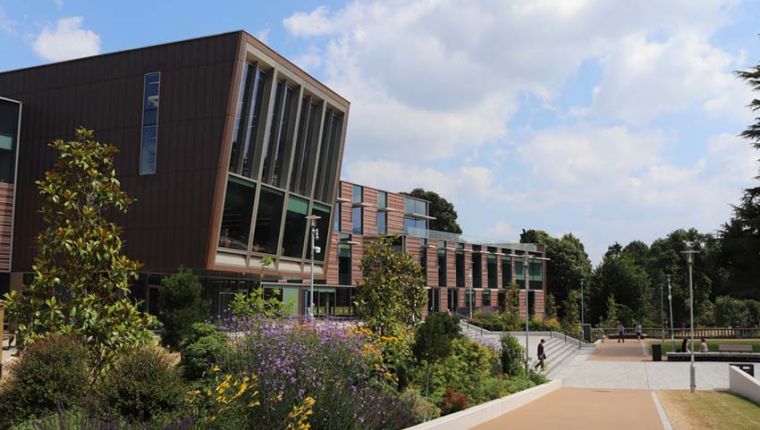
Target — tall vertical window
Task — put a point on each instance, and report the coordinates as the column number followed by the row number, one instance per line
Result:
column 149, row 141
column 306, row 145
column 491, row 267
column 344, row 264
column 336, row 220
column 357, row 220
column 295, row 227
column 280, row 135
column 477, row 267
column 357, row 194
column 268, row 219
column 236, row 218
column 441, row 264
column 9, row 113
column 453, row 299
column 423, row 257
column 382, row 215
column 247, row 121
column 329, row 152
column 434, row 300
column 323, row 225
column 506, row 271
column 460, row 269
column 486, row 298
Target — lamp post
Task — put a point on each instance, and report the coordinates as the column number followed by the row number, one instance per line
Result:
column 472, row 292
column 672, row 334
column 690, row 259
column 662, row 315
column 583, row 320
column 314, row 234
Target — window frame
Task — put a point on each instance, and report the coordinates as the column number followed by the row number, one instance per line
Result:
column 142, row 125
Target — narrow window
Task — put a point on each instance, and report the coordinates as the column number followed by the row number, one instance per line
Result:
column 279, row 136
column 148, row 143
column 236, row 219
column 295, row 227
column 344, row 264
column 357, row 220
column 441, row 264
column 9, row 113
column 382, row 215
column 268, row 221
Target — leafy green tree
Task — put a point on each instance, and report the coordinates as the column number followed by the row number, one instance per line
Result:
column 81, row 277
column 511, row 315
column 619, row 275
column 571, row 322
column 740, row 236
column 568, row 263
column 440, row 208
column 512, row 356
column 255, row 303
column 434, row 336
column 550, row 306
column 181, row 306
column 392, row 293
column 612, row 313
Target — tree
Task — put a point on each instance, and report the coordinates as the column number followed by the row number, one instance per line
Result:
column 434, row 336
column 568, row 262
column 181, row 306
column 253, row 304
column 551, row 306
column 619, row 275
column 511, row 314
column 441, row 209
column 571, row 322
column 612, row 313
column 392, row 293
column 81, row 277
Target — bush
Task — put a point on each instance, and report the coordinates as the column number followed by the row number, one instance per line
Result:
column 255, row 304
column 434, row 336
column 181, row 306
column 488, row 320
column 511, row 355
column 141, row 386
column 454, row 401
column 201, row 349
column 422, row 409
column 51, row 373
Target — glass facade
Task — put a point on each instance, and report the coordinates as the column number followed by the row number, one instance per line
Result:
column 453, row 299
column 357, row 220
column 491, row 266
column 442, row 264
column 149, row 140
column 486, row 298
column 268, row 217
column 477, row 267
column 336, row 220
column 329, row 153
column 9, row 115
column 295, row 227
column 382, row 200
column 434, row 300
column 277, row 150
column 236, row 218
column 306, row 147
column 506, row 271
column 382, row 223
column 247, row 131
column 357, row 194
column 344, row 264
column 460, row 269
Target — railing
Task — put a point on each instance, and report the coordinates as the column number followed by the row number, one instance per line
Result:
column 453, row 237
column 657, row 332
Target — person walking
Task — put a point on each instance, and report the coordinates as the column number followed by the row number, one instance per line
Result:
column 638, row 332
column 541, row 356
column 621, row 332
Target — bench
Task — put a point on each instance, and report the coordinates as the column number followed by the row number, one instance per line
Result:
column 752, row 357
column 735, row 348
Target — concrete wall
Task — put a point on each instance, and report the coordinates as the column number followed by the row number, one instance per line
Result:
column 480, row 414
column 744, row 385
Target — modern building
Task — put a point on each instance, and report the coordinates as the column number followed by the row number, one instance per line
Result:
column 226, row 146
column 461, row 273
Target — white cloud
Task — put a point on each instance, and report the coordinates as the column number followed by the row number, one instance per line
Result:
column 66, row 41
column 263, row 34
column 7, row 25
column 433, row 79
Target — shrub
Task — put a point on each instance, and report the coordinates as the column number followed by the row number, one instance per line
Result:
column 454, row 401
column 488, row 320
column 511, row 355
column 434, row 336
column 420, row 407
column 51, row 373
column 203, row 347
column 142, row 385
column 255, row 304
column 181, row 306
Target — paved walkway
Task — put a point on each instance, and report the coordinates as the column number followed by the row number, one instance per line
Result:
column 587, row 409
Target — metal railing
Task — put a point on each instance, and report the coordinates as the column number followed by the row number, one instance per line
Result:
column 453, row 237
column 657, row 332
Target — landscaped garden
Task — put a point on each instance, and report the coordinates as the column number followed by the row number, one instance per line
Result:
column 89, row 357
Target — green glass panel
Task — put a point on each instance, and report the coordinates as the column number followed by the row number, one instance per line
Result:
column 298, row 205
column 6, row 142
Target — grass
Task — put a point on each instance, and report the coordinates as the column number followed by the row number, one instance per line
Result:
column 712, row 344
column 709, row 410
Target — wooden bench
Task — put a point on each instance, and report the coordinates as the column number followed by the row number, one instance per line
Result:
column 735, row 348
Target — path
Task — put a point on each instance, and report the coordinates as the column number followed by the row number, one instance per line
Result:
column 580, row 408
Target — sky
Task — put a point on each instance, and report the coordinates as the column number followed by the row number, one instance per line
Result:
column 614, row 121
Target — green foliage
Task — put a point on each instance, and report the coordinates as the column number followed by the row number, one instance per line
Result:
column 255, row 304
column 440, row 209
column 569, row 262
column 731, row 312
column 491, row 321
column 434, row 337
column 81, row 278
column 52, row 373
column 571, row 323
column 612, row 313
column 421, row 408
column 511, row 315
column 512, row 356
column 142, row 385
column 181, row 306
column 392, row 293
column 201, row 349
column 550, row 306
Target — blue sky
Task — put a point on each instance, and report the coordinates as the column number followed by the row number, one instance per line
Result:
column 611, row 120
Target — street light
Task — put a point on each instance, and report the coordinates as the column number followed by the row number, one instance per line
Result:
column 580, row 338
column 690, row 258
column 662, row 316
column 672, row 334
column 314, row 234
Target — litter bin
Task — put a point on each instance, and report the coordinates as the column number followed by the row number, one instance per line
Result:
column 656, row 352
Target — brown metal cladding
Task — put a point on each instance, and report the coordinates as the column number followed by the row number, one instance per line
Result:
column 370, row 211
column 396, row 214
column 432, row 265
column 444, row 299
column 169, row 223
column 451, row 266
column 332, row 262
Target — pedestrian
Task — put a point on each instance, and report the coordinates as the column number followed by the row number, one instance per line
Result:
column 638, row 332
column 541, row 356
column 621, row 332
column 683, row 346
column 703, row 346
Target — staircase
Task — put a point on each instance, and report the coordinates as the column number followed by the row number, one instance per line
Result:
column 557, row 346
